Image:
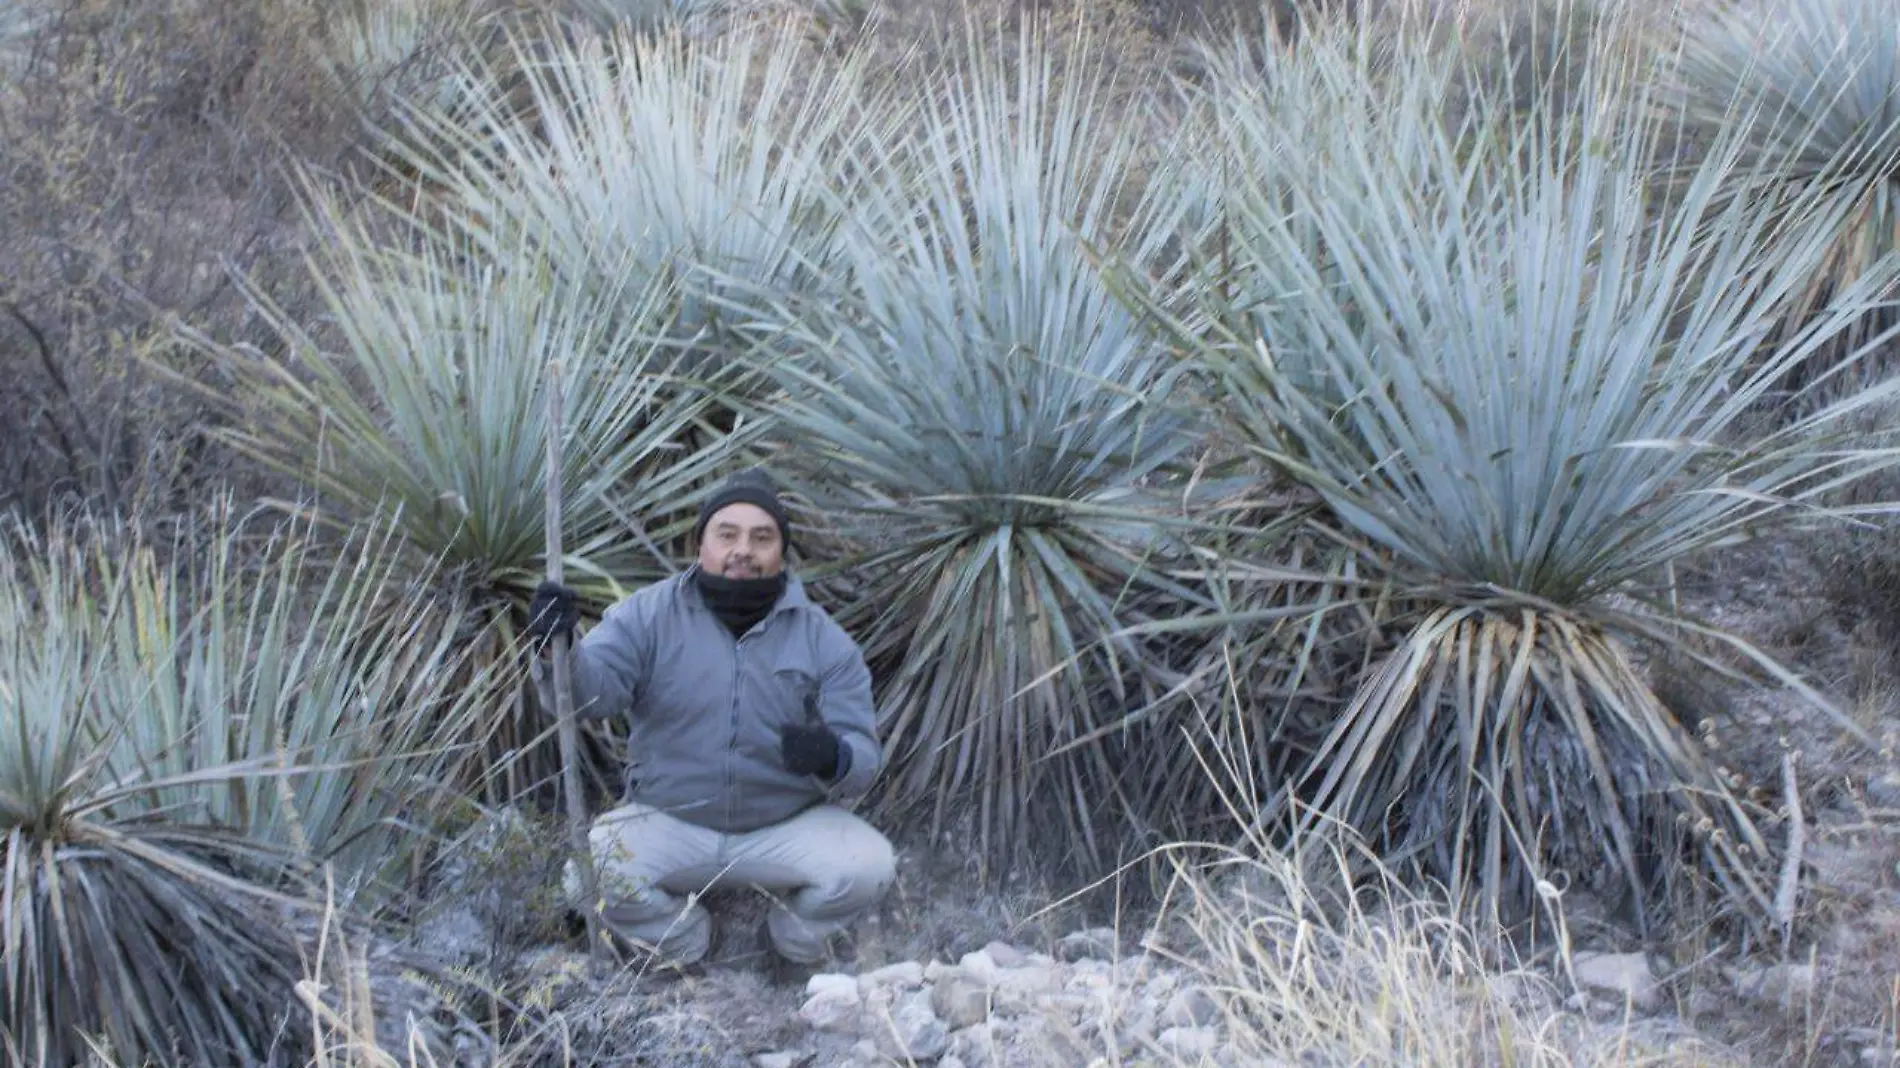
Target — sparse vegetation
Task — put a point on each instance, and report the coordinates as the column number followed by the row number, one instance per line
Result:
column 1811, row 95
column 1229, row 438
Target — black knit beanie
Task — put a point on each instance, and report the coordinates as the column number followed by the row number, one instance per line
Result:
column 751, row 486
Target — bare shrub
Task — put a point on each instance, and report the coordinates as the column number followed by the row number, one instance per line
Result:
column 141, row 145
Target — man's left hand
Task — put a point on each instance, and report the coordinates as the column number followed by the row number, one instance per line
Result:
column 810, row 751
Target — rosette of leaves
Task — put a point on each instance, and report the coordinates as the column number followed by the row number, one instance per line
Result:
column 188, row 728
column 709, row 162
column 421, row 397
column 1809, row 95
column 1518, row 370
column 973, row 408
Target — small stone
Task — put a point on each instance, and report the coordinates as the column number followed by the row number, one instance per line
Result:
column 1076, row 1007
column 951, row 1061
column 1026, row 985
column 781, row 1059
column 1625, row 975
column 828, row 981
column 866, row 1053
column 1188, row 1041
column 1191, row 1007
column 833, row 1009
column 980, row 966
column 908, row 974
column 972, row 1045
column 1095, row 943
column 936, row 971
column 1006, row 955
column 913, row 1032
column 962, row 1001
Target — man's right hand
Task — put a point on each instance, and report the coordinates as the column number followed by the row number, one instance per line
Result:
column 554, row 611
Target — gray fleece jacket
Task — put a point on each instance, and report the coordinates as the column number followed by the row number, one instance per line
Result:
column 704, row 710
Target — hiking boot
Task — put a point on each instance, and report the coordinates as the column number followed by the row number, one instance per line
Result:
column 786, row 972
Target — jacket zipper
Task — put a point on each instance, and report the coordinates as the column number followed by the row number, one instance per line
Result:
column 732, row 742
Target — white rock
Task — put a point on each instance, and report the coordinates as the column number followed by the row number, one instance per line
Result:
column 951, row 1061
column 1026, row 985
column 1188, row 1041
column 913, row 1032
column 866, row 1053
column 1625, row 975
column 1190, row 1007
column 908, row 974
column 1006, row 955
column 980, row 966
column 826, row 981
column 961, row 1001
column 782, row 1059
column 936, row 971
column 833, row 1009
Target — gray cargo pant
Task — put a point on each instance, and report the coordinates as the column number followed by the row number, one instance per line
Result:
column 825, row 866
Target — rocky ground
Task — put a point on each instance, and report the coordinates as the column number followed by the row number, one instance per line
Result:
column 1096, row 996
column 952, row 974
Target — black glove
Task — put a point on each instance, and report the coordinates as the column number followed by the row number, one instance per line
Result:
column 810, row 751
column 554, row 611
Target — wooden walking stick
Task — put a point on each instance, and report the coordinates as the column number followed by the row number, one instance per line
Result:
column 583, row 854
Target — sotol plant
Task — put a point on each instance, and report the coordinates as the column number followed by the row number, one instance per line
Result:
column 1814, row 89
column 182, row 736
column 670, row 156
column 431, row 410
column 1513, row 369
column 973, row 407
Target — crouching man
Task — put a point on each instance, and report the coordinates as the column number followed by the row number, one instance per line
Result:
column 750, row 717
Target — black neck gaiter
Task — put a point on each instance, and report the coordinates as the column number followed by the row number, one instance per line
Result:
column 740, row 603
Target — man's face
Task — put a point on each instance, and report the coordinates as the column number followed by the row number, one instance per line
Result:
column 742, row 542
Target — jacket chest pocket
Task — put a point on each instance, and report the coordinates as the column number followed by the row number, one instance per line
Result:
column 794, row 696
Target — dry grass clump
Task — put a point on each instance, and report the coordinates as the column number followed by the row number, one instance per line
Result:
column 1319, row 955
